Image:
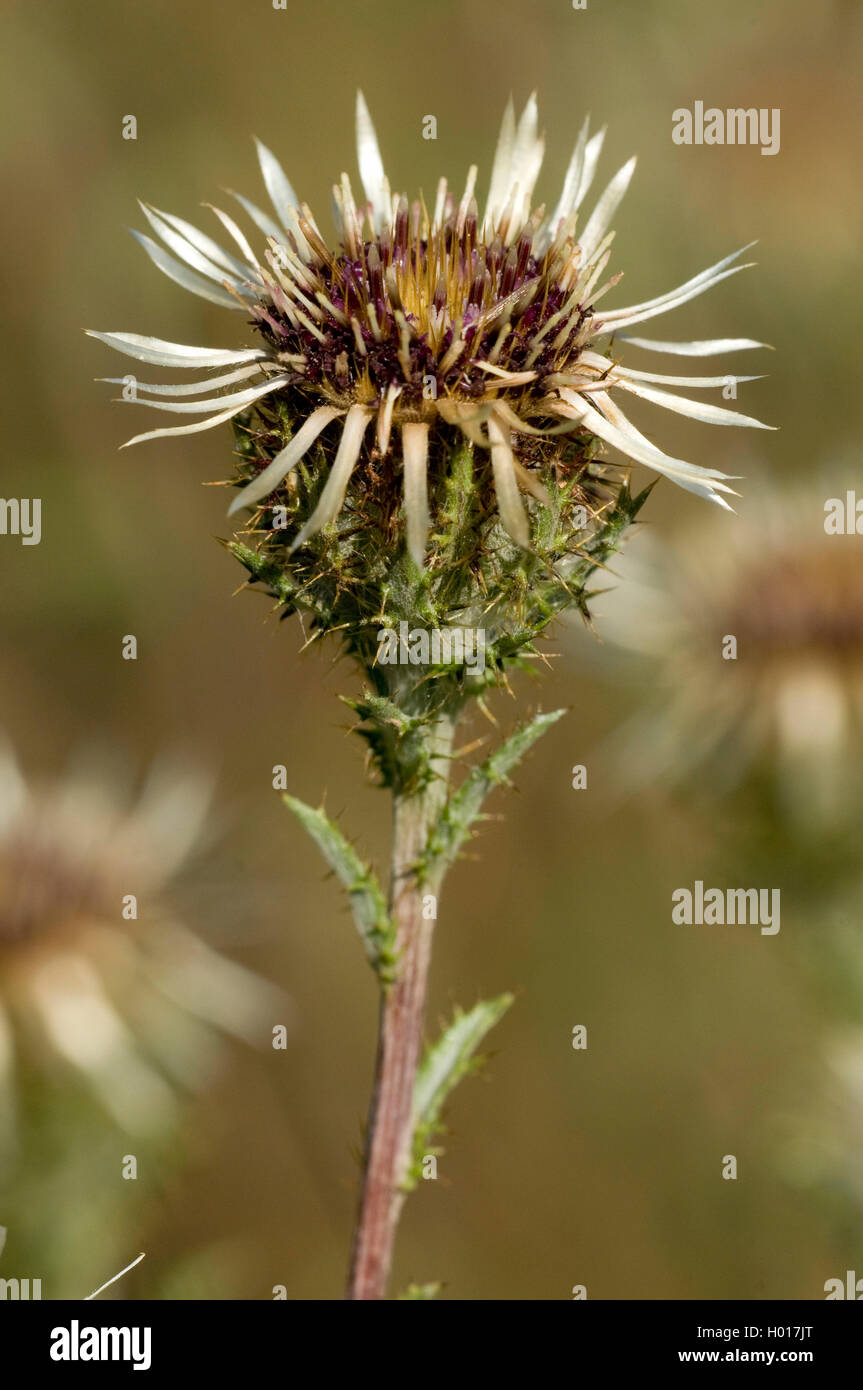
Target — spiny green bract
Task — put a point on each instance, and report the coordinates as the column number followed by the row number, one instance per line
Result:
column 357, row 577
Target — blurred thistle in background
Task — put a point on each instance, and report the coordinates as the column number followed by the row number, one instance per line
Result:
column 750, row 636
column 102, row 988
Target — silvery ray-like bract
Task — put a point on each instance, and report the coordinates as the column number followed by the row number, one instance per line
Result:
column 486, row 325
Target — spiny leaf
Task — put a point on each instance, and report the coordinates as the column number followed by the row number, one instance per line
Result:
column 263, row 570
column 443, row 1066
column 398, row 739
column 445, row 1063
column 464, row 805
column 367, row 901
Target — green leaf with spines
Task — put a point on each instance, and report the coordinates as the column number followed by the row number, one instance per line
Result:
column 464, row 805
column 444, row 1065
column 374, row 923
column 399, row 740
column 264, row 570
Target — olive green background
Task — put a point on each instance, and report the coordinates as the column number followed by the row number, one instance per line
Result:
column 600, row 1167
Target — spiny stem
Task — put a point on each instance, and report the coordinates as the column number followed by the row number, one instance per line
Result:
column 389, row 1134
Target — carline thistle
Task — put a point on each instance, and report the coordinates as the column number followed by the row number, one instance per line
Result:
column 418, row 433
column 432, row 325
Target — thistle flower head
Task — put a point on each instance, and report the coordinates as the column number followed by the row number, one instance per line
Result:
column 419, row 410
column 427, row 325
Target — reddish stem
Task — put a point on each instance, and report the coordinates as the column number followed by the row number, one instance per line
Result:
column 390, row 1124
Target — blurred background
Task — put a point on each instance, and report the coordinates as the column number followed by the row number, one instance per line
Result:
column 602, row 1167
